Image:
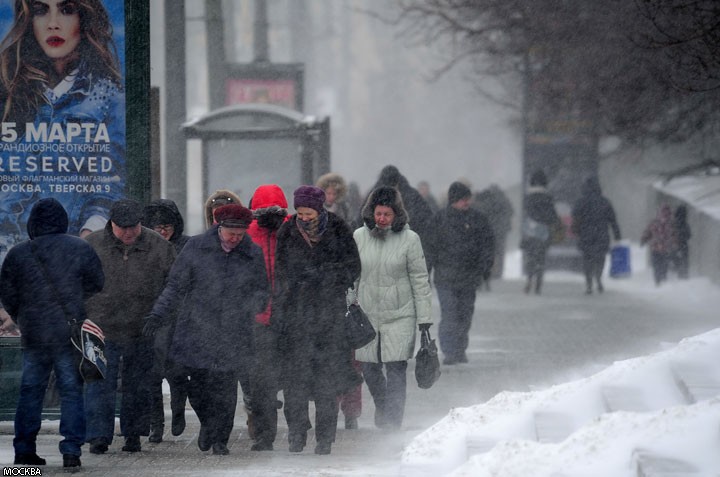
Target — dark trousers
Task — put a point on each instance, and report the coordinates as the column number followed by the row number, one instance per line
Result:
column 534, row 254
column 297, row 400
column 389, row 391
column 178, row 396
column 135, row 405
column 593, row 265
column 213, row 395
column 265, row 385
column 660, row 263
column 36, row 367
column 457, row 305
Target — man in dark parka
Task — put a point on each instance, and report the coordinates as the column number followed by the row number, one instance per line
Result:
column 462, row 252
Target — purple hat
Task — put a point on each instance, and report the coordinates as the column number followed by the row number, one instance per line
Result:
column 309, row 196
column 233, row 216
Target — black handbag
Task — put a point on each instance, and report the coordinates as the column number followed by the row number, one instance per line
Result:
column 358, row 327
column 427, row 363
column 86, row 336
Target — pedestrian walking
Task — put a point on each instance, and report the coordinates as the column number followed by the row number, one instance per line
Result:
column 394, row 291
column 335, row 191
column 540, row 221
column 498, row 209
column 216, row 287
column 40, row 280
column 218, row 199
column 592, row 217
column 681, row 255
column 163, row 217
column 419, row 213
column 462, row 250
column 660, row 236
column 316, row 263
column 269, row 207
column 136, row 262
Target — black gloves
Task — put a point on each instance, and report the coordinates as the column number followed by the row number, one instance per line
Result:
column 152, row 324
column 425, row 326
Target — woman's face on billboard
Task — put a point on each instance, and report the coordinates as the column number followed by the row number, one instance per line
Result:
column 56, row 24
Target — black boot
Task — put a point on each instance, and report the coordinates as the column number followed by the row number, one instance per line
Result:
column 70, row 461
column 132, row 444
column 29, row 459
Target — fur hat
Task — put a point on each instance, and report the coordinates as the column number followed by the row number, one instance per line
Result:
column 126, row 213
column 332, row 179
column 458, row 191
column 309, row 196
column 233, row 216
column 389, row 197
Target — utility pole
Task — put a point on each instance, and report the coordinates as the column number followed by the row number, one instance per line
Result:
column 175, row 104
column 217, row 68
column 261, row 47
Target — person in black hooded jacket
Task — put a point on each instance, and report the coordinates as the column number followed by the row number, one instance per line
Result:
column 163, row 217
column 40, row 280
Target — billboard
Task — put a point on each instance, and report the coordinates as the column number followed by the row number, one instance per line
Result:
column 62, row 105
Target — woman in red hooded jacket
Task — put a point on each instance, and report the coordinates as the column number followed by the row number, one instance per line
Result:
column 269, row 207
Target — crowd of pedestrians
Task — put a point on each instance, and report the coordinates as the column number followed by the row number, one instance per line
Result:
column 259, row 299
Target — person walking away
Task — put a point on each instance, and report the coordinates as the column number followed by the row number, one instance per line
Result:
column 683, row 234
column 216, row 287
column 335, row 191
column 163, row 217
column 394, row 291
column 463, row 249
column 40, row 279
column 423, row 188
column 269, row 207
column 315, row 264
column 136, row 262
column 592, row 216
column 498, row 209
column 540, row 218
column 660, row 236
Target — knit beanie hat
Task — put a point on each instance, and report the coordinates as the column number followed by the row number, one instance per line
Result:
column 458, row 191
column 309, row 196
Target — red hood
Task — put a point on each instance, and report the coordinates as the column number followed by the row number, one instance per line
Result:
column 268, row 195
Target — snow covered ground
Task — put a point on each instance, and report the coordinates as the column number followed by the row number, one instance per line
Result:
column 656, row 415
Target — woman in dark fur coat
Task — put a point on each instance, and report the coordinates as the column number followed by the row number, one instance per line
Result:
column 315, row 264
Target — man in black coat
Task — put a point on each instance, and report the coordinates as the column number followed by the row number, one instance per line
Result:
column 462, row 252
column 592, row 217
column 42, row 279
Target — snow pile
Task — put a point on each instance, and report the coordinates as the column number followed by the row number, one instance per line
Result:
column 631, row 414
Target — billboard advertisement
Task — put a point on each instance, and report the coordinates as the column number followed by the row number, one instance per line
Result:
column 62, row 105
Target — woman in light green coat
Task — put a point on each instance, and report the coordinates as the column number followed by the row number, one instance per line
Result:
column 394, row 291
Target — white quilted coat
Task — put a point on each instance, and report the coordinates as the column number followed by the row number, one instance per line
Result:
column 394, row 291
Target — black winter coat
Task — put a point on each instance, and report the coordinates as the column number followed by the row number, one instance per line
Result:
column 309, row 307
column 592, row 216
column 463, row 247
column 72, row 265
column 539, row 205
column 216, row 296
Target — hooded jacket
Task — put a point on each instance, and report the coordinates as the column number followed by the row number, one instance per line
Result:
column 165, row 211
column 393, row 290
column 209, row 221
column 591, row 217
column 69, row 263
column 267, row 200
